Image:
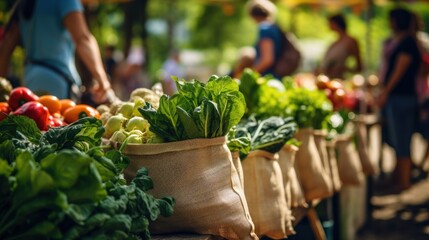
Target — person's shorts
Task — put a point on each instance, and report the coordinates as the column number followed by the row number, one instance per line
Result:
column 399, row 123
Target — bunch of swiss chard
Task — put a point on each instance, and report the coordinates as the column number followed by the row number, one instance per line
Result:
column 198, row 110
column 269, row 134
column 264, row 95
column 62, row 185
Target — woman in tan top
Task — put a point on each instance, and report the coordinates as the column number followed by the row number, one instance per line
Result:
column 334, row 63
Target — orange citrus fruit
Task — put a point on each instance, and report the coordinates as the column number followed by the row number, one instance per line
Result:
column 66, row 104
column 51, row 102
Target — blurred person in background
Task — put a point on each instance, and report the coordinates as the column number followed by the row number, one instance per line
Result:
column 246, row 57
column 336, row 60
column 422, row 88
column 129, row 74
column 108, row 60
column 398, row 98
column 171, row 67
column 268, row 43
column 51, row 31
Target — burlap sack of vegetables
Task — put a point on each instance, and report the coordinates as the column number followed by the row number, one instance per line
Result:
column 368, row 167
column 201, row 177
column 333, row 165
column 311, row 174
column 265, row 194
column 293, row 191
column 320, row 141
column 349, row 166
column 237, row 164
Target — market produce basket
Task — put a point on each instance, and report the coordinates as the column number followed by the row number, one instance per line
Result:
column 265, row 194
column 200, row 175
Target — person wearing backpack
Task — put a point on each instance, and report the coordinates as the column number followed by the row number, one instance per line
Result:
column 269, row 38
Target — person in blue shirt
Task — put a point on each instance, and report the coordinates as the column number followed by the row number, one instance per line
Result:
column 269, row 39
column 51, row 31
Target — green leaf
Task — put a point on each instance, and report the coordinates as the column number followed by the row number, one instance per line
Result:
column 7, row 151
column 30, row 178
column 191, row 130
column 75, row 173
column 220, row 85
column 142, row 180
column 20, row 127
column 79, row 213
column 120, row 160
column 83, row 134
column 208, row 119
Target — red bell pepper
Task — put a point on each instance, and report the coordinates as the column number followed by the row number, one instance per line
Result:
column 35, row 111
column 4, row 110
column 20, row 95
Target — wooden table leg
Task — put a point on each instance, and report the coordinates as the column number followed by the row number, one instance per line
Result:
column 316, row 226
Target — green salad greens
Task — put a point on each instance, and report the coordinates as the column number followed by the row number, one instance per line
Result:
column 198, row 110
column 62, row 185
column 309, row 108
column 269, row 134
column 264, row 95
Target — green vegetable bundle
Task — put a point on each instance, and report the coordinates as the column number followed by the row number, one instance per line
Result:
column 309, row 108
column 265, row 96
column 61, row 185
column 198, row 110
column 269, row 134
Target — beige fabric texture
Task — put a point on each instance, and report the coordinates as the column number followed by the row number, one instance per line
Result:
column 368, row 167
column 237, row 164
column 349, row 165
column 264, row 190
column 311, row 174
column 200, row 175
column 320, row 141
column 333, row 164
column 293, row 190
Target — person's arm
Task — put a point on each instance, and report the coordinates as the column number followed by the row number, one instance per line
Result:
column 266, row 59
column 401, row 65
column 356, row 55
column 88, row 50
column 7, row 46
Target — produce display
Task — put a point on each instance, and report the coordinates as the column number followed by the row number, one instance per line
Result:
column 47, row 111
column 58, row 181
column 61, row 184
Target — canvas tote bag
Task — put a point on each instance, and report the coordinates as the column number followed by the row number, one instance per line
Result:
column 311, row 174
column 200, row 175
column 368, row 167
column 320, row 141
column 333, row 164
column 349, row 166
column 264, row 190
column 293, row 191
